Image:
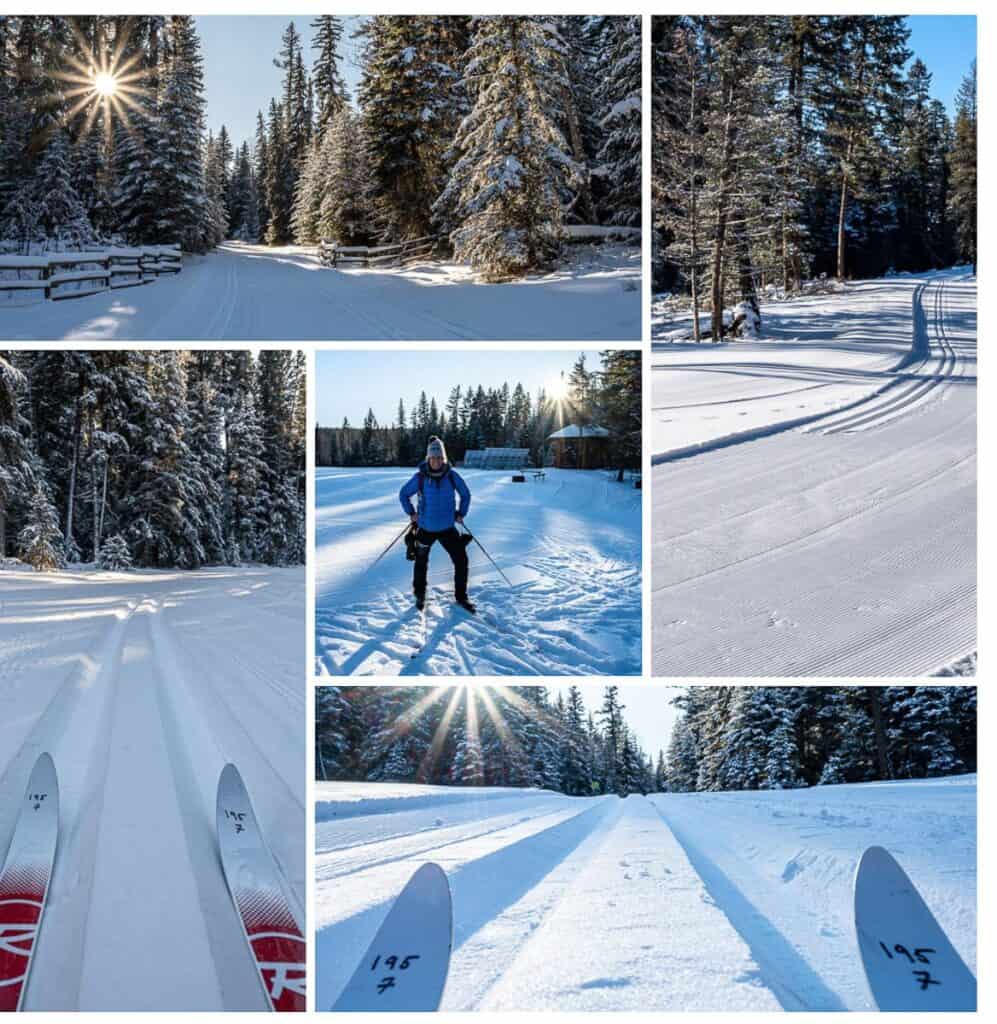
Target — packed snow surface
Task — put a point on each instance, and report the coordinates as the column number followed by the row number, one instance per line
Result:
column 250, row 292
column 142, row 685
column 815, row 499
column 569, row 544
column 718, row 901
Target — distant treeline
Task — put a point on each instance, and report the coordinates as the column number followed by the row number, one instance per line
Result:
column 507, row 736
column 781, row 737
column 476, row 417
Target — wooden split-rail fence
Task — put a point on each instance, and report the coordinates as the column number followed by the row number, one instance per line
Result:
column 57, row 274
column 333, row 255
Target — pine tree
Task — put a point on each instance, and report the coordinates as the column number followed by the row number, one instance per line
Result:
column 39, row 539
column 963, row 169
column 504, row 187
column 330, row 90
column 619, row 157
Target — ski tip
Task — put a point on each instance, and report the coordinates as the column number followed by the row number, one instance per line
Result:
column 44, row 774
column 431, row 872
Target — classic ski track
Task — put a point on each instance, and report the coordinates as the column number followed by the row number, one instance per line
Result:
column 220, row 717
column 194, row 786
column 903, row 399
column 122, row 701
column 60, row 945
column 589, row 817
column 754, row 928
column 430, row 848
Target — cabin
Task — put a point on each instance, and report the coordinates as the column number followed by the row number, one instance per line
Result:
column 579, row 447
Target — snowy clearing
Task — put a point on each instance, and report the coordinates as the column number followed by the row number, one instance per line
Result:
column 142, row 685
column 842, row 539
column 719, row 901
column 570, row 545
column 252, row 292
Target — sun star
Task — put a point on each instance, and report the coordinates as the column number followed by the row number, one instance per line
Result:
column 105, row 84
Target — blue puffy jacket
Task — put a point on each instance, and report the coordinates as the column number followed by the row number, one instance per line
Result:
column 437, row 497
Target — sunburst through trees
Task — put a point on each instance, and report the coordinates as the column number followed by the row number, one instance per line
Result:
column 101, row 80
column 480, row 735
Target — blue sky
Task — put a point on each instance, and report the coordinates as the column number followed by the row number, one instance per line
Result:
column 947, row 45
column 349, row 381
column 648, row 710
column 240, row 77
column 239, row 73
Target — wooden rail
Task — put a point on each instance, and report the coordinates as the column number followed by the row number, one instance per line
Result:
column 97, row 271
column 334, row 255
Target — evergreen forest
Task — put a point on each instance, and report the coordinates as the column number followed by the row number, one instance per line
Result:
column 479, row 416
column 789, row 148
column 164, row 459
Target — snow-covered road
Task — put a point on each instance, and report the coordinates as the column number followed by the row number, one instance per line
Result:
column 247, row 292
column 733, row 901
column 570, row 545
column 142, row 685
column 814, row 503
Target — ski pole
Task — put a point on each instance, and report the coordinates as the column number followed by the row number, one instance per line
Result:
column 485, row 553
column 390, row 546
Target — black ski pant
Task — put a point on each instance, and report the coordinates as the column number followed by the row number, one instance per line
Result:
column 454, row 547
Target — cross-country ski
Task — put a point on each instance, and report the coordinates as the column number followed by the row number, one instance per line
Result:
column 405, row 968
column 590, row 873
column 260, row 896
column 909, row 961
column 24, row 880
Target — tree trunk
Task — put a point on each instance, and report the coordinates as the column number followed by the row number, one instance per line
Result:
column 71, row 497
column 720, row 239
column 842, row 208
column 879, row 733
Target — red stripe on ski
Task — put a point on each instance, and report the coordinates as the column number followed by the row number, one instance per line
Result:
column 22, row 895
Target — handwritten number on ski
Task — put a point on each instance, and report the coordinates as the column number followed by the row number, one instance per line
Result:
column 919, row 955
column 392, row 962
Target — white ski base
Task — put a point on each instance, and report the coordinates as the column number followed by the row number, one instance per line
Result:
column 406, row 966
column 909, row 962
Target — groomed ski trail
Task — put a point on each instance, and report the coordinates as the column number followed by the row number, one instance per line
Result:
column 127, row 679
column 636, row 880
column 728, row 901
column 242, row 292
column 846, row 547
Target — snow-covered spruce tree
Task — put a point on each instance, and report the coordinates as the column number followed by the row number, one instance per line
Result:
column 164, row 520
column 308, row 196
column 261, row 163
column 619, row 104
column 16, row 471
column 962, row 160
column 177, row 166
column 244, row 213
column 503, row 189
column 344, row 213
column 115, row 555
column 216, row 216
column 61, row 216
column 330, row 88
column 39, row 542
column 411, row 100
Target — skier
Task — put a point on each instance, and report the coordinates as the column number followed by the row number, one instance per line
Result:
column 438, row 486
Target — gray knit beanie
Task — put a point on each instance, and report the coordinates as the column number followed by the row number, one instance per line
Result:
column 436, row 447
